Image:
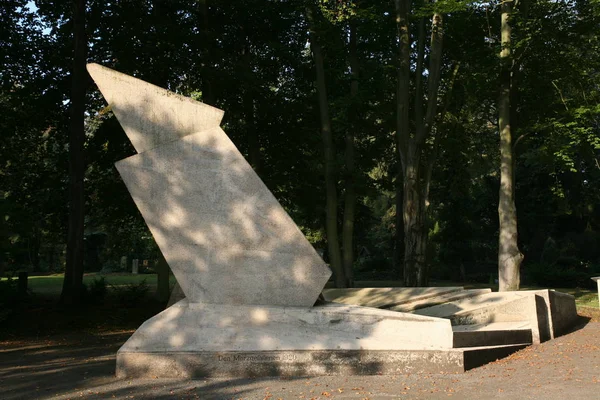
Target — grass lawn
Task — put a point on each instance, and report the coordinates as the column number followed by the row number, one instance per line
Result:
column 583, row 297
column 52, row 284
column 40, row 314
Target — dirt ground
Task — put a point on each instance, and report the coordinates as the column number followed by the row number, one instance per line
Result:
column 81, row 366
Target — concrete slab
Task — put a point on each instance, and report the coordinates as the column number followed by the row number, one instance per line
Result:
column 477, row 356
column 438, row 300
column 306, row 363
column 289, row 363
column 210, row 327
column 492, row 334
column 385, row 297
column 495, row 307
column 471, row 304
column 492, row 326
column 192, row 339
column 559, row 309
column 548, row 312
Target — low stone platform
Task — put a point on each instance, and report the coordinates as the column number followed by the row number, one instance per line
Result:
column 484, row 327
column 549, row 313
column 194, row 339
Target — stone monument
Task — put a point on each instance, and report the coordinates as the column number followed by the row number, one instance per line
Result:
column 250, row 277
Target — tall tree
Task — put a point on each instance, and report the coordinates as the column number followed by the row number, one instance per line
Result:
column 331, row 227
column 412, row 147
column 509, row 255
column 350, row 191
column 73, row 281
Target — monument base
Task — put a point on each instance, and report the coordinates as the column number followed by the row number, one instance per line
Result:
column 200, row 340
column 191, row 365
column 190, row 340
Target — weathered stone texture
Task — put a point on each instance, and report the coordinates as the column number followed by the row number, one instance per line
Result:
column 223, row 233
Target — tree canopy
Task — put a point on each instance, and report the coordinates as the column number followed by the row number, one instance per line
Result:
column 273, row 66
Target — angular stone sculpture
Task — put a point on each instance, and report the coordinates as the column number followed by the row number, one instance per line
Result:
column 150, row 115
column 249, row 276
column 224, row 235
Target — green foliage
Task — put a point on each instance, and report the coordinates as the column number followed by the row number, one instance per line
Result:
column 337, row 11
column 96, row 290
column 250, row 58
column 375, row 267
column 131, row 294
column 557, row 275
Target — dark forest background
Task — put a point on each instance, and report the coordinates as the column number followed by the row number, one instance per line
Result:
column 259, row 61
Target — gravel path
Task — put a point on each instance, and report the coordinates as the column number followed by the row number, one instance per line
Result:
column 81, row 366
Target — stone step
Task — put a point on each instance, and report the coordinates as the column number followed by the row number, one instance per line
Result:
column 474, row 357
column 492, row 334
column 437, row 300
column 385, row 297
column 480, row 307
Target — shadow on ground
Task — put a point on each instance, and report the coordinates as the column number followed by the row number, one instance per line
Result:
column 83, row 366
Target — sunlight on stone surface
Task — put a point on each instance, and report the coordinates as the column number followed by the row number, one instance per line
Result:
column 177, row 340
column 174, row 217
column 260, row 315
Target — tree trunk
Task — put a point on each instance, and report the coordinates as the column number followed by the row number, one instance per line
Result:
column 399, row 225
column 34, row 244
column 402, row 122
column 350, row 194
column 419, row 71
column 414, row 195
column 403, row 84
column 331, row 228
column 435, row 66
column 509, row 256
column 414, row 239
column 73, row 281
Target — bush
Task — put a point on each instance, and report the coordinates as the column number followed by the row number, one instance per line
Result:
column 557, row 276
column 374, row 267
column 96, row 291
column 131, row 294
column 8, row 298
